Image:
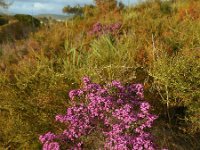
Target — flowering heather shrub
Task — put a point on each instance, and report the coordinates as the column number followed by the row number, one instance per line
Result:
column 99, row 29
column 118, row 111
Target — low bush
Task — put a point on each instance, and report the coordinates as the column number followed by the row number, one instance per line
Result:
column 3, row 21
column 28, row 20
column 117, row 114
column 177, row 81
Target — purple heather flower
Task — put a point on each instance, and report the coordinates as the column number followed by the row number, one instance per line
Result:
column 74, row 93
column 99, row 29
column 86, row 81
column 145, row 107
column 51, row 146
column 117, row 113
column 47, row 137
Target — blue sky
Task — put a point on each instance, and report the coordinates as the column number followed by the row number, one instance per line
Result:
column 46, row 6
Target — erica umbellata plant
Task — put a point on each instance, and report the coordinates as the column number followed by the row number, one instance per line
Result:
column 119, row 112
column 99, row 29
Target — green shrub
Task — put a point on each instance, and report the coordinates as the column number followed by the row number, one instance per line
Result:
column 28, row 104
column 177, row 80
column 28, row 20
column 166, row 7
column 3, row 21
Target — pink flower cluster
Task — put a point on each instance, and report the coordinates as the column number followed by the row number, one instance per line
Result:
column 99, row 29
column 119, row 111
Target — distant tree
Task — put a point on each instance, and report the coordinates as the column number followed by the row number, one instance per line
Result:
column 88, row 10
column 77, row 10
column 4, row 4
column 27, row 20
column 121, row 5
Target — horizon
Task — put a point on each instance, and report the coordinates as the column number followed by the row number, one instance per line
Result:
column 37, row 7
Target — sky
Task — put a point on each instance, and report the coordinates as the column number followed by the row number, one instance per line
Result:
column 34, row 7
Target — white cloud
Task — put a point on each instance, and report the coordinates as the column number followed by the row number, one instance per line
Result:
column 43, row 6
column 46, row 6
column 39, row 6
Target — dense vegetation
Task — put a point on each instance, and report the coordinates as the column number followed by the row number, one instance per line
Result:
column 16, row 27
column 153, row 43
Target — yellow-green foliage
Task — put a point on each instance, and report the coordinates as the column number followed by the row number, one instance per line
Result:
column 158, row 45
column 15, row 28
column 177, row 82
